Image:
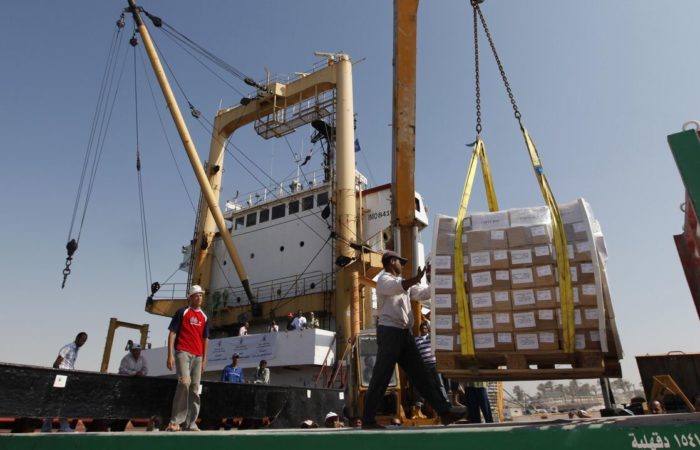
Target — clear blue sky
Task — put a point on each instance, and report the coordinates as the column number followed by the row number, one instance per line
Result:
column 600, row 85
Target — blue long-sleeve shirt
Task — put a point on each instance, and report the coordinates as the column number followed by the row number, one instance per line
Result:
column 232, row 374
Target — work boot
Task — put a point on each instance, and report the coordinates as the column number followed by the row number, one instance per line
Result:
column 453, row 414
column 416, row 413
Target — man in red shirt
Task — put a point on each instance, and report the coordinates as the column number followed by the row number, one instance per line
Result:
column 188, row 342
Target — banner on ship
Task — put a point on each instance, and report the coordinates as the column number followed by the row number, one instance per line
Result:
column 253, row 347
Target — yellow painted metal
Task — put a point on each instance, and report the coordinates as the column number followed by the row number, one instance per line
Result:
column 478, row 155
column 113, row 325
column 560, row 244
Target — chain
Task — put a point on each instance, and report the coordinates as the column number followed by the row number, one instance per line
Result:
column 476, row 76
column 516, row 111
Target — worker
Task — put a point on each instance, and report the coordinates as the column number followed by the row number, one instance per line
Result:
column 395, row 342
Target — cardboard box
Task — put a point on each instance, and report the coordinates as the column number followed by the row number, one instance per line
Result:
column 546, row 319
column 575, row 292
column 481, row 301
column 447, row 224
column 448, row 342
column 500, row 259
column 589, row 317
column 501, row 279
column 540, row 234
column 521, row 257
column 577, row 319
column 445, row 303
column 526, row 341
column 496, row 220
column 443, row 322
column 583, row 251
column 518, row 237
column 572, row 269
column 544, row 275
column 524, row 320
column 443, row 283
column 527, row 217
column 523, row 299
column 476, row 241
column 545, row 298
column 588, row 295
column 522, row 278
column 586, row 272
column 504, row 341
column 443, row 263
column 592, row 339
column 498, row 239
column 502, row 321
column 501, row 301
column 480, row 260
column 484, row 341
column 576, row 231
column 482, row 322
column 480, row 281
column 445, row 243
column 580, row 341
column 543, row 254
column 548, row 340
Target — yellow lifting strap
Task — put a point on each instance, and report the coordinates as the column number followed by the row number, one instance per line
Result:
column 478, row 154
column 560, row 245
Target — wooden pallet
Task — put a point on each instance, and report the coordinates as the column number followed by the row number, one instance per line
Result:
column 517, row 366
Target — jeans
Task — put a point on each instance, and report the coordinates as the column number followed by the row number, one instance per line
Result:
column 396, row 345
column 188, row 368
column 478, row 399
column 48, row 425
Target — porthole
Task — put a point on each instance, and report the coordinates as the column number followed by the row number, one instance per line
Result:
column 301, row 244
column 282, row 248
column 252, row 255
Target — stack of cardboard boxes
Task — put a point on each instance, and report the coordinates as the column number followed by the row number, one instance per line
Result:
column 511, row 281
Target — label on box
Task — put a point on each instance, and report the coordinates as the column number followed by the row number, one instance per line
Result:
column 588, row 289
column 442, row 282
column 481, row 300
column 538, row 231
column 570, row 212
column 443, row 301
column 502, row 318
column 591, row 313
column 595, row 335
column 545, row 314
column 570, row 251
column 504, row 338
column 502, row 275
column 544, row 295
column 480, row 259
column 521, row 276
column 500, row 255
column 577, row 317
column 442, row 262
column 528, row 217
column 547, row 337
column 498, row 235
column 526, row 341
column 587, row 268
column 523, row 297
column 544, row 271
column 481, row 279
column 574, row 274
column 580, row 341
column 444, row 342
column 464, row 238
column 582, row 247
column 524, row 319
column 501, row 296
column 490, row 221
column 484, row 340
column 543, row 250
column 443, row 321
column 482, row 321
column 522, row 256
column 579, row 227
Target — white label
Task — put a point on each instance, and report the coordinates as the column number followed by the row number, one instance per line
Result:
column 482, row 321
column 546, row 337
column 341, row 395
column 442, row 282
column 528, row 217
column 480, row 259
column 521, row 256
column 464, row 238
column 524, row 319
column 456, row 320
column 60, row 381
column 502, row 275
column 481, row 279
column 442, row 262
column 570, row 251
column 587, row 268
column 591, row 313
column 199, row 390
column 544, row 295
column 308, row 393
column 523, row 297
column 502, row 318
column 443, row 301
column 579, row 227
column 588, row 290
column 575, row 291
column 580, row 341
column 526, row 341
column 574, row 274
column 583, row 247
column 577, row 317
column 498, row 235
column 500, row 255
column 484, row 340
column 481, row 300
column 501, row 296
column 443, row 321
column 538, row 231
column 521, row 276
column 504, row 338
column 595, row 335
column 444, row 342
column 544, row 271
column 545, row 314
column 543, row 250
column 570, row 212
column 490, row 221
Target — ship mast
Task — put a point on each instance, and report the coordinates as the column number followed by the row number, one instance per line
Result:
column 190, row 149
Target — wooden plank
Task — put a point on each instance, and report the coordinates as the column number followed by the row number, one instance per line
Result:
column 523, row 374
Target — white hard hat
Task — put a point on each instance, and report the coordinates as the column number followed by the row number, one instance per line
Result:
column 195, row 289
column 331, row 415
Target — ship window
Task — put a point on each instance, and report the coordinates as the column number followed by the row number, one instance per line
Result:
column 294, row 207
column 240, row 223
column 250, row 219
column 417, row 205
column 264, row 215
column 322, row 199
column 278, row 211
column 307, row 203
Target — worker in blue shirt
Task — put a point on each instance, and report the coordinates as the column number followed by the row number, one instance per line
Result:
column 232, row 373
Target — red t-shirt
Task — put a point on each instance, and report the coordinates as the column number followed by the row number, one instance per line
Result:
column 190, row 327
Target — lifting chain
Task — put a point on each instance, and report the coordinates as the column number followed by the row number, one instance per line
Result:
column 516, row 111
column 71, row 247
column 476, row 75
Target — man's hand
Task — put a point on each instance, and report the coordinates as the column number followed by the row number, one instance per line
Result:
column 204, row 364
column 171, row 362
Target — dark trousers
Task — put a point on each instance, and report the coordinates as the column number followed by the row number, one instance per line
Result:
column 395, row 345
column 478, row 399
